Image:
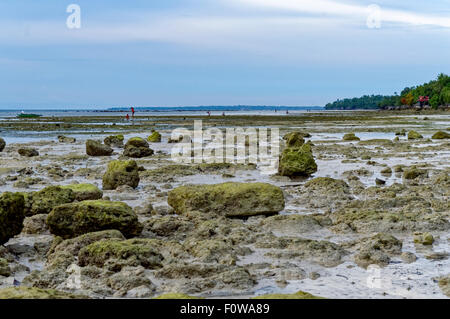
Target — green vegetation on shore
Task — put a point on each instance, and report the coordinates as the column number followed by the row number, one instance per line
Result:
column 438, row 92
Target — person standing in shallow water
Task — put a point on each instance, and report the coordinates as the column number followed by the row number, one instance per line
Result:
column 127, row 117
column 132, row 111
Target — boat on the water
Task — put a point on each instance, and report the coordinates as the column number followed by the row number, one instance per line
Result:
column 28, row 115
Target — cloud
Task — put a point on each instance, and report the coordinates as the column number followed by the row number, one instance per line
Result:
column 346, row 10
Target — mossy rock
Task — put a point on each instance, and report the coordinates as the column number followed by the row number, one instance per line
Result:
column 294, row 139
column 36, row 293
column 28, row 152
column 414, row 172
column 176, row 296
column 297, row 161
column 71, row 220
column 118, row 253
column 45, row 200
column 350, row 137
column 423, row 239
column 444, row 284
column 2, row 144
column 155, row 137
column 114, row 140
column 440, row 135
column 12, row 214
column 297, row 295
column 96, row 148
column 386, row 171
column 401, row 133
column 4, row 268
column 228, row 199
column 137, row 147
column 327, row 183
column 85, row 191
column 413, row 135
column 121, row 173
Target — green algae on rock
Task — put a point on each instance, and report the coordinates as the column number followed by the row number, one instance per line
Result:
column 114, row 140
column 228, row 199
column 85, row 191
column 294, row 139
column 350, row 137
column 28, row 152
column 155, row 137
column 444, row 284
column 4, row 268
column 23, row 292
column 413, row 135
column 11, row 215
column 297, row 295
column 43, row 201
column 121, row 173
column 440, row 135
column 96, row 148
column 297, row 161
column 423, row 238
column 119, row 253
column 71, row 220
column 137, row 147
column 378, row 250
column 414, row 172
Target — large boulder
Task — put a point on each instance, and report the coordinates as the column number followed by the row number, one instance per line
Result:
column 28, row 152
column 96, row 148
column 118, row 253
column 43, row 201
column 436, row 136
column 114, row 140
column 297, row 161
column 85, row 191
column 2, row 144
column 228, row 199
column 71, row 220
column 413, row 135
column 155, row 137
column 294, row 139
column 137, row 147
column 11, row 215
column 121, row 173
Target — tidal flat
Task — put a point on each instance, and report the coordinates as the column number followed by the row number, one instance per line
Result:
column 372, row 221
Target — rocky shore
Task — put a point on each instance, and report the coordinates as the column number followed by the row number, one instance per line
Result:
column 359, row 208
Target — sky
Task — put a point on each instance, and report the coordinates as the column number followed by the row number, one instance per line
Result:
column 216, row 52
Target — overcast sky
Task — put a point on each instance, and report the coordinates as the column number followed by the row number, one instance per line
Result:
column 216, row 52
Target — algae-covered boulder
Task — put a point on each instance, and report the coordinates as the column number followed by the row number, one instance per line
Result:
column 84, row 191
column 4, row 268
column 297, row 295
column 413, row 135
column 11, row 215
column 155, row 137
column 66, row 139
column 121, row 173
column 28, row 152
column 294, row 139
column 297, row 161
column 46, row 199
column 423, row 238
column 414, row 172
column 119, row 253
column 114, row 140
column 228, row 199
column 71, row 220
column 23, row 292
column 2, row 144
column 350, row 137
column 96, row 148
column 436, row 136
column 378, row 250
column 137, row 147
